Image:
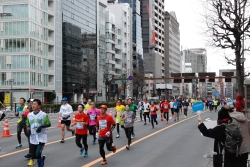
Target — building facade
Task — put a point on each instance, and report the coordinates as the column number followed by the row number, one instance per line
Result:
column 197, row 58
column 27, row 48
column 119, row 45
column 154, row 59
column 228, row 89
column 172, row 48
column 138, row 66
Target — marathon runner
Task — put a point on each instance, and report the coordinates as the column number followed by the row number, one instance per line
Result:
column 172, row 107
column 161, row 107
column 66, row 110
column 37, row 122
column 146, row 111
column 93, row 112
column 153, row 113
column 81, row 122
column 21, row 122
column 133, row 108
column 105, row 125
column 87, row 106
column 119, row 110
column 185, row 105
column 166, row 108
column 176, row 110
column 129, row 118
column 141, row 107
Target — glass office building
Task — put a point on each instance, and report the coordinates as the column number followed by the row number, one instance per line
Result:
column 27, row 54
column 79, row 18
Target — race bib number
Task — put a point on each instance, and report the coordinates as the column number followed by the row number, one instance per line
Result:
column 79, row 125
column 33, row 130
column 20, row 114
column 152, row 109
column 92, row 117
column 119, row 113
column 175, row 107
column 166, row 107
column 103, row 124
column 129, row 120
column 185, row 107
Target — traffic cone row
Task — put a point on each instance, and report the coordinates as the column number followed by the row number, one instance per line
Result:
column 59, row 121
column 6, row 130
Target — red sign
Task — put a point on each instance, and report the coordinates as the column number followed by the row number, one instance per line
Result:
column 31, row 89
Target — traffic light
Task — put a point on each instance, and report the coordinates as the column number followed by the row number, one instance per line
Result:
column 227, row 75
column 202, row 74
column 187, row 76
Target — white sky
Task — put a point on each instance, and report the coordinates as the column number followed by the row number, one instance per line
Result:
column 188, row 13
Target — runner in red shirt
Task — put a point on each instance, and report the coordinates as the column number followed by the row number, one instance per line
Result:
column 161, row 108
column 105, row 124
column 81, row 122
column 166, row 108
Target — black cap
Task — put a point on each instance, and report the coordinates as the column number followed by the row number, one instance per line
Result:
column 223, row 113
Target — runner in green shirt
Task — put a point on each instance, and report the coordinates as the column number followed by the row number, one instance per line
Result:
column 132, row 107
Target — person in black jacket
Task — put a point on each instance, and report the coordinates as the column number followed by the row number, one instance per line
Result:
column 218, row 133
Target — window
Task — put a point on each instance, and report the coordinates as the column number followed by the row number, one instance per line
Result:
column 72, row 16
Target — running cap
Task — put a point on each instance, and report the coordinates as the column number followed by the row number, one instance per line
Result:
column 30, row 100
column 65, row 99
column 104, row 106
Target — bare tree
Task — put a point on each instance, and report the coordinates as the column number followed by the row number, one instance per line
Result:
column 228, row 24
column 107, row 79
column 138, row 84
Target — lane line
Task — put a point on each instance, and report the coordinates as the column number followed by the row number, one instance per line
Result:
column 137, row 141
column 15, row 152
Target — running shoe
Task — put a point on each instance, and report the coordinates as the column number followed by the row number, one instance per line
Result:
column 156, row 123
column 19, row 146
column 43, row 159
column 73, row 132
column 185, row 116
column 28, row 156
column 94, row 143
column 31, row 162
column 161, row 119
column 62, row 141
column 127, row 147
column 81, row 151
column 145, row 123
column 132, row 136
column 117, row 136
column 174, row 119
column 86, row 154
column 153, row 127
column 114, row 148
column 104, row 162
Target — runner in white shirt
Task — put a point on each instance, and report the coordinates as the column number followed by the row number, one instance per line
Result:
column 141, row 108
column 172, row 108
column 66, row 110
column 146, row 111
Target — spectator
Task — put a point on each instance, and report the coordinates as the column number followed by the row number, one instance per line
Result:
column 240, row 104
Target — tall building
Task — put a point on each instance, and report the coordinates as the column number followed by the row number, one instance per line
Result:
column 154, row 59
column 228, row 89
column 187, row 86
column 197, row 58
column 88, row 17
column 28, row 58
column 119, row 44
column 138, row 66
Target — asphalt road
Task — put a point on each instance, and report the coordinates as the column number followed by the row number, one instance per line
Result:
column 177, row 144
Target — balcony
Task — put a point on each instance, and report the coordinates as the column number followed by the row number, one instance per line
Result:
column 108, row 61
column 50, row 10
column 51, row 25
column 51, row 69
column 118, row 46
column 118, row 66
column 51, row 54
column 51, row 40
column 51, row 84
column 118, row 56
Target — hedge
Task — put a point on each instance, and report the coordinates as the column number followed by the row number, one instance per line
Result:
column 54, row 108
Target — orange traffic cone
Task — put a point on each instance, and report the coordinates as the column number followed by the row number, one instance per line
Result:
column 110, row 113
column 59, row 121
column 6, row 130
column 73, row 120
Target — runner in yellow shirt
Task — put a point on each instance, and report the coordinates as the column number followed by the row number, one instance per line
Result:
column 87, row 106
column 119, row 110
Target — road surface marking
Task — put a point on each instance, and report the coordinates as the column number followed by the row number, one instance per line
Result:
column 137, row 141
column 15, row 152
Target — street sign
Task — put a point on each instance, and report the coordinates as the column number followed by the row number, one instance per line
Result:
column 130, row 78
column 31, row 90
column 198, row 107
column 216, row 93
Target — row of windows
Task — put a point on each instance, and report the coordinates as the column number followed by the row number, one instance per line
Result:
column 25, row 62
column 14, row 28
column 17, row 11
column 23, row 78
column 39, row 16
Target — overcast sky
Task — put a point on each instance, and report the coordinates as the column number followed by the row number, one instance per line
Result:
column 188, row 14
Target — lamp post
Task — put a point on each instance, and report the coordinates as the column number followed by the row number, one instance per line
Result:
column 73, row 86
column 11, row 93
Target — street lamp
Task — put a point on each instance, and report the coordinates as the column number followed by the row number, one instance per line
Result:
column 11, row 93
